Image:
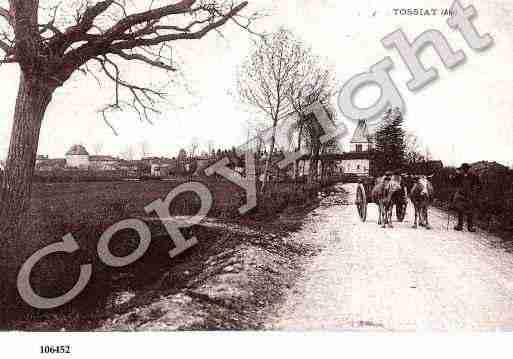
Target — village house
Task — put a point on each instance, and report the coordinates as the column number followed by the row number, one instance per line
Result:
column 103, row 163
column 161, row 166
column 133, row 167
column 359, row 159
column 77, row 157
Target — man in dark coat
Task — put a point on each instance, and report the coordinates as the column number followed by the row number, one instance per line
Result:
column 465, row 197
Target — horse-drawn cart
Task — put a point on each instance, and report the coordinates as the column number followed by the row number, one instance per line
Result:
column 364, row 197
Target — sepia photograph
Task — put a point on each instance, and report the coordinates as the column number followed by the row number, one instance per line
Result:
column 259, row 167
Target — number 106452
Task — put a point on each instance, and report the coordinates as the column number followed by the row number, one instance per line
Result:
column 55, row 349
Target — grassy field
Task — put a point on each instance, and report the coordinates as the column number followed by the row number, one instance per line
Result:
column 87, row 209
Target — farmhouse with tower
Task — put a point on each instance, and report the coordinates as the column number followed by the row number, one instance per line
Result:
column 359, row 159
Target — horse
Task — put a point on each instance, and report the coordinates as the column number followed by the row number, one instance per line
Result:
column 421, row 196
column 388, row 190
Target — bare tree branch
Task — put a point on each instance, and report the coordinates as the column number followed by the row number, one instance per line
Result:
column 140, row 57
column 187, row 35
column 70, row 37
column 6, row 15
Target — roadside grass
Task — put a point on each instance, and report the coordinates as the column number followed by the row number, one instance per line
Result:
column 494, row 206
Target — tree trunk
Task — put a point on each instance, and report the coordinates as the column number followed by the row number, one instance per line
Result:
column 314, row 163
column 31, row 103
column 299, row 137
column 269, row 157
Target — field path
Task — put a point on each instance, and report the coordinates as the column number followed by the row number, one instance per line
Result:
column 369, row 278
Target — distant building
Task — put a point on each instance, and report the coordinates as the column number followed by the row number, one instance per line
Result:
column 362, row 141
column 360, row 159
column 77, row 157
column 103, row 163
column 356, row 163
column 161, row 166
column 133, row 167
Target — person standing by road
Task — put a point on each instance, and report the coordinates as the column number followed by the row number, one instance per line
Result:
column 465, row 197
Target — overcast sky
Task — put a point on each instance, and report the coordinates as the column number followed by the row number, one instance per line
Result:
column 466, row 115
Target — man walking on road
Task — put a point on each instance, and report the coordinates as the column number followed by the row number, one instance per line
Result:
column 465, row 197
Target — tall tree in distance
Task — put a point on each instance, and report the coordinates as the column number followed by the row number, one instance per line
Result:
column 193, row 146
column 210, row 147
column 390, row 142
column 50, row 46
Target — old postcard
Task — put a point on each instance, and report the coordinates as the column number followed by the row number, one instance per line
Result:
column 259, row 166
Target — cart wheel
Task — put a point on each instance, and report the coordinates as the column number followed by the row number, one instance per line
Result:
column 400, row 211
column 361, row 202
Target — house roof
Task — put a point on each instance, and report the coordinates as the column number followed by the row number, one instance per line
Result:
column 361, row 134
column 77, row 150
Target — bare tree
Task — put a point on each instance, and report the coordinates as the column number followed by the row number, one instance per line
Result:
column 128, row 153
column 314, row 82
column 260, row 140
column 312, row 132
column 193, row 146
column 210, row 146
column 264, row 80
column 49, row 48
column 144, row 146
column 306, row 132
column 254, row 130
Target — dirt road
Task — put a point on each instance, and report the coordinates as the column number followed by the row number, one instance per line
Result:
column 369, row 278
